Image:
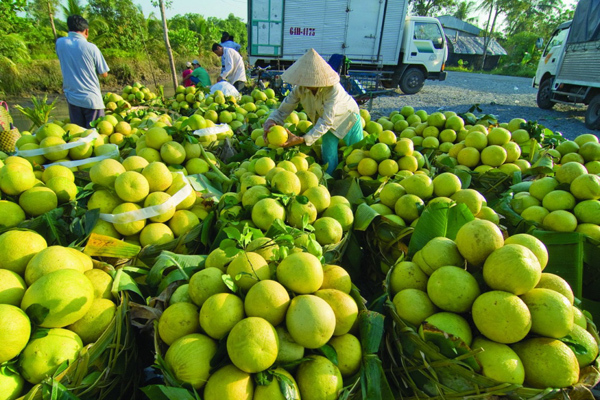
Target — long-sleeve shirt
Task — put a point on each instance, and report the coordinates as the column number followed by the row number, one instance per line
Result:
column 233, row 66
column 330, row 109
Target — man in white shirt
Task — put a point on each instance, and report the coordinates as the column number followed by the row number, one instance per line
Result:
column 332, row 110
column 233, row 70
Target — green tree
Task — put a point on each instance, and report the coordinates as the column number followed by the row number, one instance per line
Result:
column 43, row 12
column 73, row 7
column 464, row 11
column 183, row 41
column 495, row 9
column 125, row 19
column 9, row 15
column 540, row 16
column 430, row 7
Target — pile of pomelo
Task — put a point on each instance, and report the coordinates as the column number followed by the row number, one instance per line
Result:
column 477, row 147
column 26, row 196
column 263, row 316
column 53, row 303
column 290, row 191
column 404, row 199
column 272, row 313
column 50, row 138
column 491, row 293
column 568, row 199
column 136, row 186
column 136, row 94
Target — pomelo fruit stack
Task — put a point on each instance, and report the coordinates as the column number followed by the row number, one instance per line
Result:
column 52, row 134
column 259, row 203
column 144, row 185
column 404, row 136
column 136, row 94
column 281, row 310
column 569, row 199
column 492, row 294
column 403, row 198
column 57, row 291
column 32, row 193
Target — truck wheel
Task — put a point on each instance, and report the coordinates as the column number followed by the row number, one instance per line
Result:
column 412, row 81
column 592, row 115
column 544, row 94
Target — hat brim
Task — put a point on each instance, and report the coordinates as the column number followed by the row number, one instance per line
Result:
column 311, row 70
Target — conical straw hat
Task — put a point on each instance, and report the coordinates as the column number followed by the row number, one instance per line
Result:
column 311, row 70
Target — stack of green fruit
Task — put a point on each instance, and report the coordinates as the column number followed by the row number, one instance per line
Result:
column 521, row 321
column 27, row 196
column 278, row 315
column 50, row 138
column 136, row 94
column 135, row 185
column 289, row 191
column 57, row 291
column 403, row 199
column 115, row 131
column 186, row 98
column 568, row 201
column 481, row 147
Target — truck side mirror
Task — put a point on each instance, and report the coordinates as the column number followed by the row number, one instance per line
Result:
column 539, row 43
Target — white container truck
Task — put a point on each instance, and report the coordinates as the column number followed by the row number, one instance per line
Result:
column 375, row 35
column 569, row 69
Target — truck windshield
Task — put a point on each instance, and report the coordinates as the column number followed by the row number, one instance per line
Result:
column 429, row 31
column 556, row 40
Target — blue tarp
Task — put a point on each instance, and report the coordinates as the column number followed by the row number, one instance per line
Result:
column 586, row 22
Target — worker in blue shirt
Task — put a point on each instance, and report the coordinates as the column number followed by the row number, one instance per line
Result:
column 81, row 63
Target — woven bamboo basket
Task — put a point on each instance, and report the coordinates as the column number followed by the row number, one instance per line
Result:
column 418, row 370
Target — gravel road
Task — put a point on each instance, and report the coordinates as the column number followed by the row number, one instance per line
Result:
column 506, row 97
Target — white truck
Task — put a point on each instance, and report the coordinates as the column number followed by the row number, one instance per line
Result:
column 375, row 35
column 569, row 69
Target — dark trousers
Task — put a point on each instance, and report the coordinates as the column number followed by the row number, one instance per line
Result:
column 239, row 85
column 83, row 116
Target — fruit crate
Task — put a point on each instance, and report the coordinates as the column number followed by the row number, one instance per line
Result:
column 419, row 370
column 574, row 257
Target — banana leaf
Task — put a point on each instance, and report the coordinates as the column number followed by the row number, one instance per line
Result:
column 438, row 219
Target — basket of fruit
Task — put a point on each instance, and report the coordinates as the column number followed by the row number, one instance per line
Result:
column 473, row 315
column 65, row 326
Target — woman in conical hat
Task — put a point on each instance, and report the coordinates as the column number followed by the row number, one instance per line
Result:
column 333, row 112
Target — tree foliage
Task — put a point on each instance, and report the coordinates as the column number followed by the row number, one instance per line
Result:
column 431, row 8
column 125, row 18
column 464, row 10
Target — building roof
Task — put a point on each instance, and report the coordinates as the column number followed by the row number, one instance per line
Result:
column 474, row 45
column 448, row 21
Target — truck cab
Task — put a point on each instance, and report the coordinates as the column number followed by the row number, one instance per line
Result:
column 423, row 54
column 548, row 65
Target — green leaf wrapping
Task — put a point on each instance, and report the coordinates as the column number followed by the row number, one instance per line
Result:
column 439, row 219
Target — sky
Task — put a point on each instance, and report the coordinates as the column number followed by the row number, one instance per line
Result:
column 207, row 8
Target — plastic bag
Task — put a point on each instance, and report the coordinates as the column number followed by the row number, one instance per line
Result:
column 227, row 88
